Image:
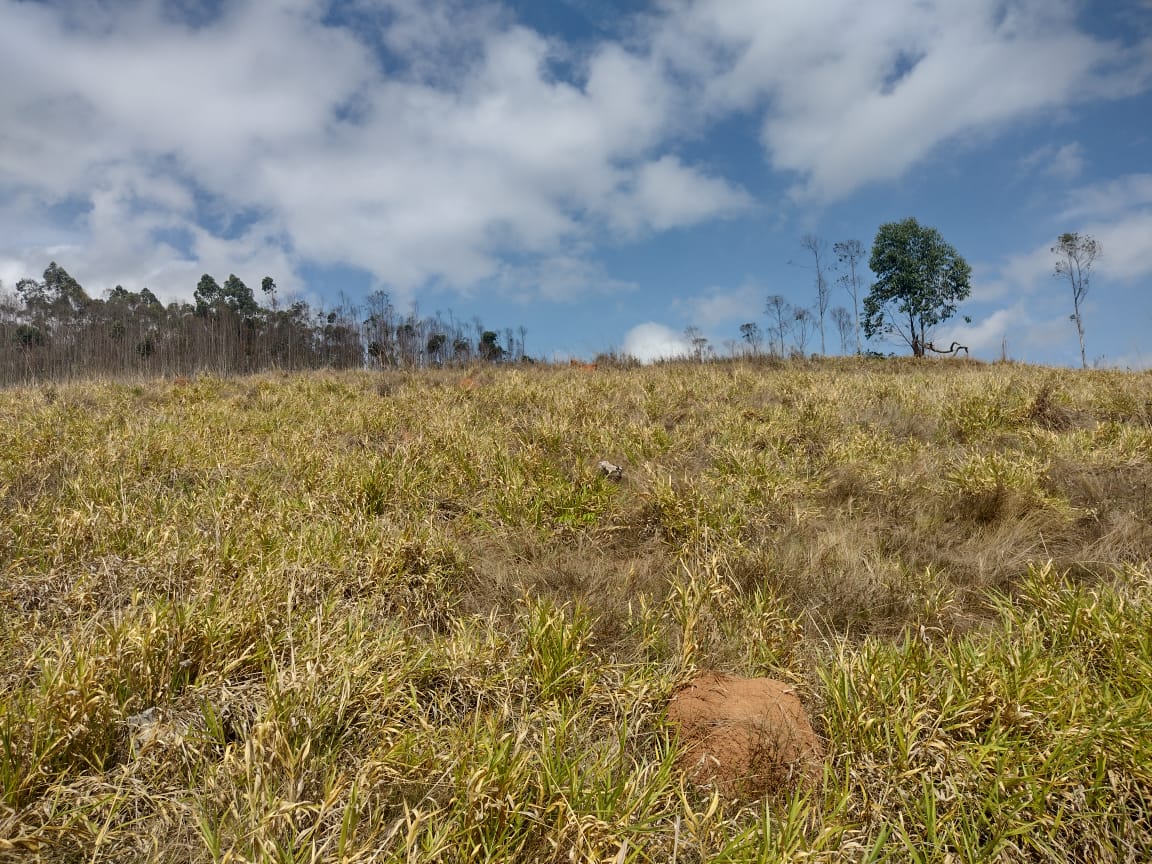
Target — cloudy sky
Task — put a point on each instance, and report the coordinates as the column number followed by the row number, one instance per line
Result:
column 602, row 172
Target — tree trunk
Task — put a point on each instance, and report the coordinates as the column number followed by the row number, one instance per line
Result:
column 1080, row 333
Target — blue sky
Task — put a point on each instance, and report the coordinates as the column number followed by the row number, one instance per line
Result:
column 603, row 173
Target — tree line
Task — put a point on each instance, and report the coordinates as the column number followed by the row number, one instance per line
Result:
column 920, row 281
column 50, row 328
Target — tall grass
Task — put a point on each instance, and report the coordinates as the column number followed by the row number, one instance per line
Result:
column 404, row 617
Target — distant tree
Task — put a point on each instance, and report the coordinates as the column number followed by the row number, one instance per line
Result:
column 1075, row 254
column 750, row 333
column 699, row 343
column 58, row 298
column 207, row 294
column 435, row 346
column 33, row 297
column 239, row 297
column 920, row 279
column 268, row 288
column 819, row 249
column 842, row 318
column 490, row 346
column 850, row 254
column 778, row 311
column 65, row 294
column 802, row 321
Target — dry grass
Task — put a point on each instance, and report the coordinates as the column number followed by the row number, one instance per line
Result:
column 404, row 617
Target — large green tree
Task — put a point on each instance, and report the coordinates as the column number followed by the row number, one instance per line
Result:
column 920, row 280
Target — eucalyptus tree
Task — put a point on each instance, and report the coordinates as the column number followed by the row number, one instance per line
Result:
column 920, row 281
column 1075, row 254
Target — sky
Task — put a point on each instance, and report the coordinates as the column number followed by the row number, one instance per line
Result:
column 604, row 174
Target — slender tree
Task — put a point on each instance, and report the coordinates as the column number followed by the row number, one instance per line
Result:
column 819, row 249
column 842, row 318
column 750, row 333
column 801, row 325
column 778, row 311
column 698, row 341
column 1075, row 254
column 850, row 254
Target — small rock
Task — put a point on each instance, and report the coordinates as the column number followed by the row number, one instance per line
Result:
column 612, row 472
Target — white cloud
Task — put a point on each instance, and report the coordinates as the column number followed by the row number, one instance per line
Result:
column 1110, row 198
column 468, row 151
column 717, row 307
column 650, row 342
column 1026, row 328
column 1064, row 163
column 560, row 279
column 271, row 136
column 667, row 194
column 1126, row 245
column 856, row 93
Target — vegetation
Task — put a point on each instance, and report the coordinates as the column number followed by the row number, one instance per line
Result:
column 920, row 279
column 401, row 616
column 50, row 329
column 850, row 256
column 1075, row 254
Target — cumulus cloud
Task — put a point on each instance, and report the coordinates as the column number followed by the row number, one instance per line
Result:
column 559, row 278
column 435, row 141
column 667, row 194
column 856, row 93
column 718, row 306
column 418, row 141
column 1016, row 327
column 1111, row 198
column 650, row 342
column 1064, row 163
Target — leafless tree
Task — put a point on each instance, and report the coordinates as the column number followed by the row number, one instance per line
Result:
column 778, row 311
column 819, row 250
column 842, row 318
column 850, row 254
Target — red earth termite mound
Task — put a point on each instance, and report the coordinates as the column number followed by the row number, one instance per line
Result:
column 746, row 736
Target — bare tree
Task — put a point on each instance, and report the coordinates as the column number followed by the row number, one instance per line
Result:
column 850, row 253
column 819, row 249
column 1075, row 254
column 778, row 311
column 698, row 341
column 842, row 318
column 801, row 326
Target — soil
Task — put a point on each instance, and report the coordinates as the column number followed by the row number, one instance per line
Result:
column 746, row 736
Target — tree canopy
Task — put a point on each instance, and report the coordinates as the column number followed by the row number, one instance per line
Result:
column 920, row 280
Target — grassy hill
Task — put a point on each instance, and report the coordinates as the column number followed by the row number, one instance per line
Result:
column 405, row 617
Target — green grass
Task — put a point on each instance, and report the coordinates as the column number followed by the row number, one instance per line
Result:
column 387, row 617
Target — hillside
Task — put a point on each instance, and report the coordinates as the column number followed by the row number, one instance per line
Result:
column 405, row 617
